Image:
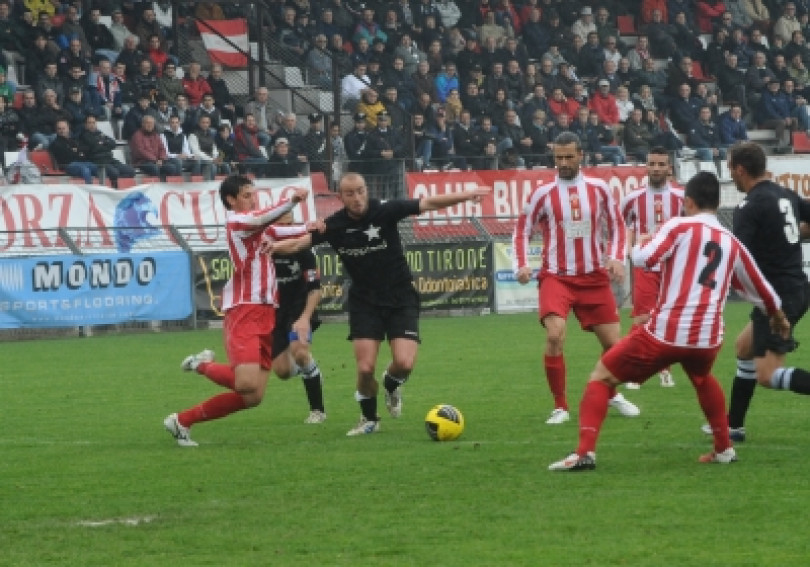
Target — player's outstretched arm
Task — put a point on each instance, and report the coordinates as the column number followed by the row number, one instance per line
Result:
column 437, row 202
column 287, row 246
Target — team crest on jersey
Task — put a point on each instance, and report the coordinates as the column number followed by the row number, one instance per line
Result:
column 658, row 213
column 576, row 210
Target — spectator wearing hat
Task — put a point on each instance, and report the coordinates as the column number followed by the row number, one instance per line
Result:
column 604, row 104
column 247, row 145
column 385, row 149
column 283, row 163
column 356, row 145
column 313, row 144
column 584, row 24
column 99, row 150
column 80, row 107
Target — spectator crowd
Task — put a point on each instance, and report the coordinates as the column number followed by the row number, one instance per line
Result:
column 432, row 83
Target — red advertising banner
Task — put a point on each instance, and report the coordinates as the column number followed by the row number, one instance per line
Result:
column 510, row 188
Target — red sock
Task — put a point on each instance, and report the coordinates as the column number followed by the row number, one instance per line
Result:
column 555, row 375
column 222, row 374
column 713, row 402
column 212, row 408
column 592, row 412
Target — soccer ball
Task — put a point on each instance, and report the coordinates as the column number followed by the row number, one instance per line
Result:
column 444, row 423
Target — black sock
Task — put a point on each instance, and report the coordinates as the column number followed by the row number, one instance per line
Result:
column 390, row 383
column 368, row 406
column 741, row 393
column 800, row 381
column 314, row 391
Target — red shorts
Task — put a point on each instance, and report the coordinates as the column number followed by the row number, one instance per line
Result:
column 639, row 355
column 249, row 334
column 590, row 296
column 645, row 291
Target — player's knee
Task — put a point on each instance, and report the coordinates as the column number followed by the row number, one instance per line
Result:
column 252, row 398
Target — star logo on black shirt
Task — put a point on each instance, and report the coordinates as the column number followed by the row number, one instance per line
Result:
column 372, row 232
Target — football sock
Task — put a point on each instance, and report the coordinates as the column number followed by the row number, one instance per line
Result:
column 312, row 385
column 592, row 411
column 368, row 406
column 212, row 408
column 391, row 383
column 555, row 376
column 713, row 403
column 742, row 390
column 800, row 381
column 793, row 379
column 222, row 374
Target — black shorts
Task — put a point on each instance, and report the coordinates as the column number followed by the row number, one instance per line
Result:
column 399, row 320
column 284, row 322
column 794, row 304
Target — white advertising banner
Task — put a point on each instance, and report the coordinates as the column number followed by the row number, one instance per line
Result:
column 95, row 215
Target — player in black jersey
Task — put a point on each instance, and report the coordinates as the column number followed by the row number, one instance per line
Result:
column 299, row 291
column 769, row 222
column 383, row 303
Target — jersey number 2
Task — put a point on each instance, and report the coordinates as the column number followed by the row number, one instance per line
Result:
column 791, row 227
column 714, row 253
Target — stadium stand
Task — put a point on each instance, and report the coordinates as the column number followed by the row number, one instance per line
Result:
column 284, row 54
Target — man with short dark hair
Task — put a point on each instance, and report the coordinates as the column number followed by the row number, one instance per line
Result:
column 579, row 261
column 99, row 150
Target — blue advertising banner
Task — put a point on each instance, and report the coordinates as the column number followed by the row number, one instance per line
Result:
column 65, row 291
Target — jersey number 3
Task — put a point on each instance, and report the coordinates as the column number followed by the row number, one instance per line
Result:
column 791, row 226
column 714, row 255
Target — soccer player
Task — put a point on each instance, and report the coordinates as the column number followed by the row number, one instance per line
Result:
column 767, row 221
column 249, row 300
column 578, row 263
column 644, row 211
column 699, row 259
column 383, row 303
column 299, row 292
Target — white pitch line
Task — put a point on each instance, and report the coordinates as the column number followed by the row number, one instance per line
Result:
column 133, row 521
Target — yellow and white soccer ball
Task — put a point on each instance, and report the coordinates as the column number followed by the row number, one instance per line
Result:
column 444, row 423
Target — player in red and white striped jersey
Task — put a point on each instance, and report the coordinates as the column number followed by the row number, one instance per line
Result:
column 699, row 261
column 578, row 263
column 645, row 210
column 249, row 301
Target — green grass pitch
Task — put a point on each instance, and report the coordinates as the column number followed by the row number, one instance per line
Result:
column 88, row 476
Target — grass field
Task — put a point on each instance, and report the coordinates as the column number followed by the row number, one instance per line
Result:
column 88, row 476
